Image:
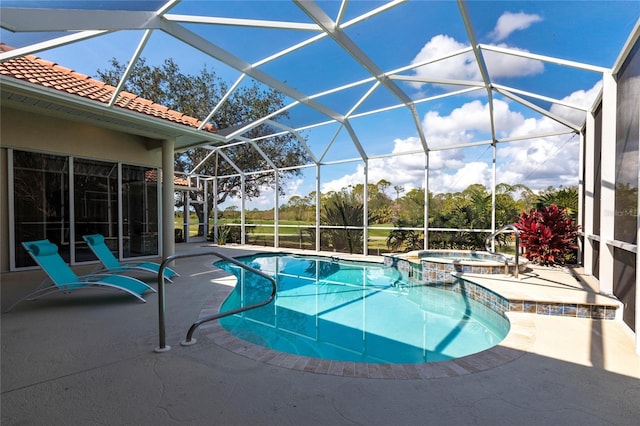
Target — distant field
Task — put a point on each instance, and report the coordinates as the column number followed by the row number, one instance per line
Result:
column 261, row 232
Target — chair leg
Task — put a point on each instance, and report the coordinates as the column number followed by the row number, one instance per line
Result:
column 34, row 295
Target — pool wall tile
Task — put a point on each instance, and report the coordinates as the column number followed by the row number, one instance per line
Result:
column 583, row 311
column 442, row 275
column 542, row 309
column 569, row 310
column 598, row 312
column 556, row 308
column 485, row 297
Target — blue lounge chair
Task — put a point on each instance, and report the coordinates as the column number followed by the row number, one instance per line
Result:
column 111, row 264
column 62, row 278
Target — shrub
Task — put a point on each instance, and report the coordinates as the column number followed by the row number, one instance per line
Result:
column 410, row 239
column 548, row 235
column 231, row 234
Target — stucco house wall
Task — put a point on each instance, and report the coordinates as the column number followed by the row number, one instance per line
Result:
column 34, row 131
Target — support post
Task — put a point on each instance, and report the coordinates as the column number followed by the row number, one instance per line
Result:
column 494, row 149
column 276, row 211
column 167, row 232
column 318, row 207
column 426, row 201
column 588, row 179
column 243, row 215
column 365, row 214
column 608, row 175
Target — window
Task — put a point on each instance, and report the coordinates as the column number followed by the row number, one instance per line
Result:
column 41, row 202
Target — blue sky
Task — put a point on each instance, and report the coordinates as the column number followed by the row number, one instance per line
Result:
column 590, row 32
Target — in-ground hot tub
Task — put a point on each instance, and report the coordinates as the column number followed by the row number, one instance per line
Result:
column 439, row 265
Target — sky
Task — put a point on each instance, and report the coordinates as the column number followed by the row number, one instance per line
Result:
column 591, row 32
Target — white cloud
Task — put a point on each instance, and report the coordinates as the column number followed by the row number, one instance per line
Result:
column 292, row 186
column 406, row 170
column 464, row 66
column 550, row 161
column 503, row 65
column 540, row 163
column 470, row 116
column 345, row 181
column 506, row 121
column 510, row 22
column 460, row 67
column 537, row 163
column 449, row 159
column 468, row 174
column 583, row 98
column 464, row 122
column 265, row 200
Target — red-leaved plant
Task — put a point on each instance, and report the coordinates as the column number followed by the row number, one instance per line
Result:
column 548, row 235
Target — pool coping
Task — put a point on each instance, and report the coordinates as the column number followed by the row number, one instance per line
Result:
column 518, row 341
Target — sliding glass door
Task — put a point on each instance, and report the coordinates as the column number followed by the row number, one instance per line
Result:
column 139, row 211
column 62, row 198
column 95, row 189
column 40, row 202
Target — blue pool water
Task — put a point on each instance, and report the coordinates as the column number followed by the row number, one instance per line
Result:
column 355, row 311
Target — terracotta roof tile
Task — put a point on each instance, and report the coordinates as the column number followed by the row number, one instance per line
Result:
column 49, row 74
column 179, row 180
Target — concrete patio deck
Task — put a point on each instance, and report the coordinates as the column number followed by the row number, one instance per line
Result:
column 88, row 358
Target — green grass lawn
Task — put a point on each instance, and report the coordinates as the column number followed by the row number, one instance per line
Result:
column 261, row 232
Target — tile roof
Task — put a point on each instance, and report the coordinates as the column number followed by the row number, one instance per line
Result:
column 178, row 180
column 49, row 74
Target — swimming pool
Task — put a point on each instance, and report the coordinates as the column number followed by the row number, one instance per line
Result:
column 356, row 311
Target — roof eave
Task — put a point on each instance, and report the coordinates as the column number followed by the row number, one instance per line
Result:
column 115, row 117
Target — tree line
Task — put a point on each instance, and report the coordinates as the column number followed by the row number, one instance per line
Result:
column 463, row 211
